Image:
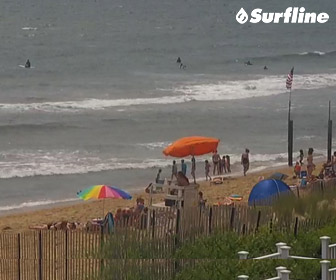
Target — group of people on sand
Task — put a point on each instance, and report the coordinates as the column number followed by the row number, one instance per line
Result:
column 328, row 169
column 220, row 165
column 125, row 215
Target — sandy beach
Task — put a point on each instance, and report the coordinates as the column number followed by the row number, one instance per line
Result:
column 85, row 211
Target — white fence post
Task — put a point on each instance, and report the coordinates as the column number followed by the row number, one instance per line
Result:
column 243, row 255
column 279, row 269
column 325, row 240
column 325, row 269
column 284, row 274
column 243, row 277
column 279, row 245
column 284, row 252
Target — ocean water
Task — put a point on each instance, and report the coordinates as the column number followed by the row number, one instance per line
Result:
column 105, row 94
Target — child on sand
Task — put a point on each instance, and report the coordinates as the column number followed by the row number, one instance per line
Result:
column 297, row 169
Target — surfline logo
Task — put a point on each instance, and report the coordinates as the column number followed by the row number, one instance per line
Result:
column 291, row 15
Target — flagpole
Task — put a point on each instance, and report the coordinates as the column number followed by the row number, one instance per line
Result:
column 290, row 131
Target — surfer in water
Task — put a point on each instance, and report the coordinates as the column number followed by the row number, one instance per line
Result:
column 27, row 65
column 248, row 63
column 265, row 67
column 179, row 60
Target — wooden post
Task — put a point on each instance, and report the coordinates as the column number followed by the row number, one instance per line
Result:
column 19, row 256
column 66, row 254
column 40, row 256
column 232, row 217
column 153, row 225
column 329, row 144
column 258, row 221
column 296, row 227
column 210, row 220
column 177, row 229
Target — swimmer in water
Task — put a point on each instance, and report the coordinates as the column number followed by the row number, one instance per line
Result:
column 179, row 60
column 248, row 63
column 265, row 67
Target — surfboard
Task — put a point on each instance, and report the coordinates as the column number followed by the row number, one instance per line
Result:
column 22, row 66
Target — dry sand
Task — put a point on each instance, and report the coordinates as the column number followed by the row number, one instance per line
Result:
column 85, row 211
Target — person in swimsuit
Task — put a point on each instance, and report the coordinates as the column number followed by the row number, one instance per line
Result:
column 310, row 163
column 245, row 161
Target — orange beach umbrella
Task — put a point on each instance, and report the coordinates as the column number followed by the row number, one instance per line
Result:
column 193, row 145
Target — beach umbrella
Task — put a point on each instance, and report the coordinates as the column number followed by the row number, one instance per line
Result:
column 102, row 192
column 192, row 146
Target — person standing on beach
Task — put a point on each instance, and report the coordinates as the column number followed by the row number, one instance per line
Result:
column 301, row 156
column 174, row 170
column 333, row 163
column 183, row 167
column 224, row 169
column 228, row 164
column 310, row 163
column 215, row 161
column 193, row 168
column 245, row 161
column 207, row 170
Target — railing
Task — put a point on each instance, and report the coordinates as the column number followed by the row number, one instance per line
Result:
column 282, row 274
column 328, row 250
column 282, row 253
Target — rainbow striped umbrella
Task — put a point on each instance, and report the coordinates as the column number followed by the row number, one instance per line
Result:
column 103, row 191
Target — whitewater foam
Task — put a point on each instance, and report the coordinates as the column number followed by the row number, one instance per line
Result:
column 225, row 90
column 61, row 162
column 35, row 204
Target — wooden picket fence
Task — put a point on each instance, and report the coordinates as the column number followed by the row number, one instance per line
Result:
column 147, row 242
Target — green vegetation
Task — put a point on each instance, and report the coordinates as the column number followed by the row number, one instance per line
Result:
column 215, row 257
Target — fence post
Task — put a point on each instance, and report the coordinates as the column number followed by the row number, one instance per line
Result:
column 40, row 256
column 296, row 227
column 325, row 240
column 279, row 245
column 19, row 256
column 232, row 217
column 210, row 220
column 284, row 252
column 243, row 255
column 279, row 269
column 243, row 277
column 285, row 274
column 325, row 269
column 258, row 221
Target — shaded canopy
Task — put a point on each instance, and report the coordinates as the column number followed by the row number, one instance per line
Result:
column 266, row 190
column 193, row 145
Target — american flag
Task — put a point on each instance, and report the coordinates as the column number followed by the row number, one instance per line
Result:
column 289, row 80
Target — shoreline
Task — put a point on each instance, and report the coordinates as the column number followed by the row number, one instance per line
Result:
column 84, row 211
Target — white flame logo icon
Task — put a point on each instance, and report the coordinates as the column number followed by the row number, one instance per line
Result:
column 242, row 16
